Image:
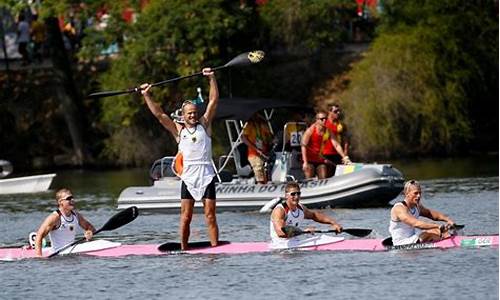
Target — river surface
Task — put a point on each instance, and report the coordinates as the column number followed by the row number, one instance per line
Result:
column 469, row 197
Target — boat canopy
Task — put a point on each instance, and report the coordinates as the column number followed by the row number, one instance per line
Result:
column 244, row 108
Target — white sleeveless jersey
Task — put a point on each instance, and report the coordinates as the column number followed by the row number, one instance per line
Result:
column 65, row 233
column 196, row 147
column 401, row 231
column 292, row 218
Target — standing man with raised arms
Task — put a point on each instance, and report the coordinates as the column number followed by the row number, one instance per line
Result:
column 195, row 146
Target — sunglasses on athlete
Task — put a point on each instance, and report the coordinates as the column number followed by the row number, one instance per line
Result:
column 293, row 194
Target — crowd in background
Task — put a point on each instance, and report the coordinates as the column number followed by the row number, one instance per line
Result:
column 31, row 33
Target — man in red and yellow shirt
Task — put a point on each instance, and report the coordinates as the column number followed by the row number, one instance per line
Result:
column 314, row 141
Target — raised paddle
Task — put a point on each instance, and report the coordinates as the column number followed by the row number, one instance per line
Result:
column 118, row 220
column 243, row 59
column 292, row 231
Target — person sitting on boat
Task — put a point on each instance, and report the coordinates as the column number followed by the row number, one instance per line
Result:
column 314, row 141
column 338, row 129
column 258, row 138
column 406, row 227
column 291, row 213
column 195, row 148
column 294, row 131
column 61, row 225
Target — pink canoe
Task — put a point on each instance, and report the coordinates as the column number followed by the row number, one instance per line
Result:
column 259, row 247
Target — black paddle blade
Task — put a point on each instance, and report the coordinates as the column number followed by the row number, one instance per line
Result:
column 174, row 246
column 292, row 231
column 245, row 59
column 387, row 242
column 124, row 217
column 359, row 232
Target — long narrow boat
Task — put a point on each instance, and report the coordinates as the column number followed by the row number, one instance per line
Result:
column 370, row 245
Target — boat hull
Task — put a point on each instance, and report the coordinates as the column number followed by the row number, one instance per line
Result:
column 27, row 184
column 370, row 245
column 374, row 185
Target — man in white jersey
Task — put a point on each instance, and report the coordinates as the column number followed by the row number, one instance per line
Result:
column 61, row 224
column 195, row 146
column 292, row 213
column 406, row 227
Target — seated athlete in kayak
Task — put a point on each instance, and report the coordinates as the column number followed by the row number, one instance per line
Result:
column 405, row 226
column 291, row 213
column 61, row 224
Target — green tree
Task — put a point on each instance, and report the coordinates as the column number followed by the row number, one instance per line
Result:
column 169, row 39
column 307, row 25
column 432, row 62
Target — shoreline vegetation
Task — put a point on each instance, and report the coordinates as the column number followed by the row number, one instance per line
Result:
column 412, row 81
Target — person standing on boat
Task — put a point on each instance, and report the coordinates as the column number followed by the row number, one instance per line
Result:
column 314, row 141
column 258, row 138
column 291, row 213
column 406, row 227
column 61, row 225
column 195, row 146
column 339, row 130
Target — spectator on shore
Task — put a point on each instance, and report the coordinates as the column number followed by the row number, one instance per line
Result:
column 38, row 35
column 23, row 39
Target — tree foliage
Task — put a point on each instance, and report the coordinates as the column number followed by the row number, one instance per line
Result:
column 169, row 39
column 308, row 25
column 413, row 91
column 428, row 84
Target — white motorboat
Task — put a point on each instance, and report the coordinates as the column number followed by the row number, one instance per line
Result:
column 356, row 185
column 21, row 185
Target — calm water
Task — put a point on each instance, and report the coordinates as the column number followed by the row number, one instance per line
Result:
column 426, row 274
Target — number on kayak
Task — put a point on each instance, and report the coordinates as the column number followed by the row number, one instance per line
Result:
column 174, row 246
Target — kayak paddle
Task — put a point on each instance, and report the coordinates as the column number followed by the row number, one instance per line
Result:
column 292, row 231
column 118, row 220
column 243, row 59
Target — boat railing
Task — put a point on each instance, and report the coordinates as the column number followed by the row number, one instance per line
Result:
column 162, row 168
